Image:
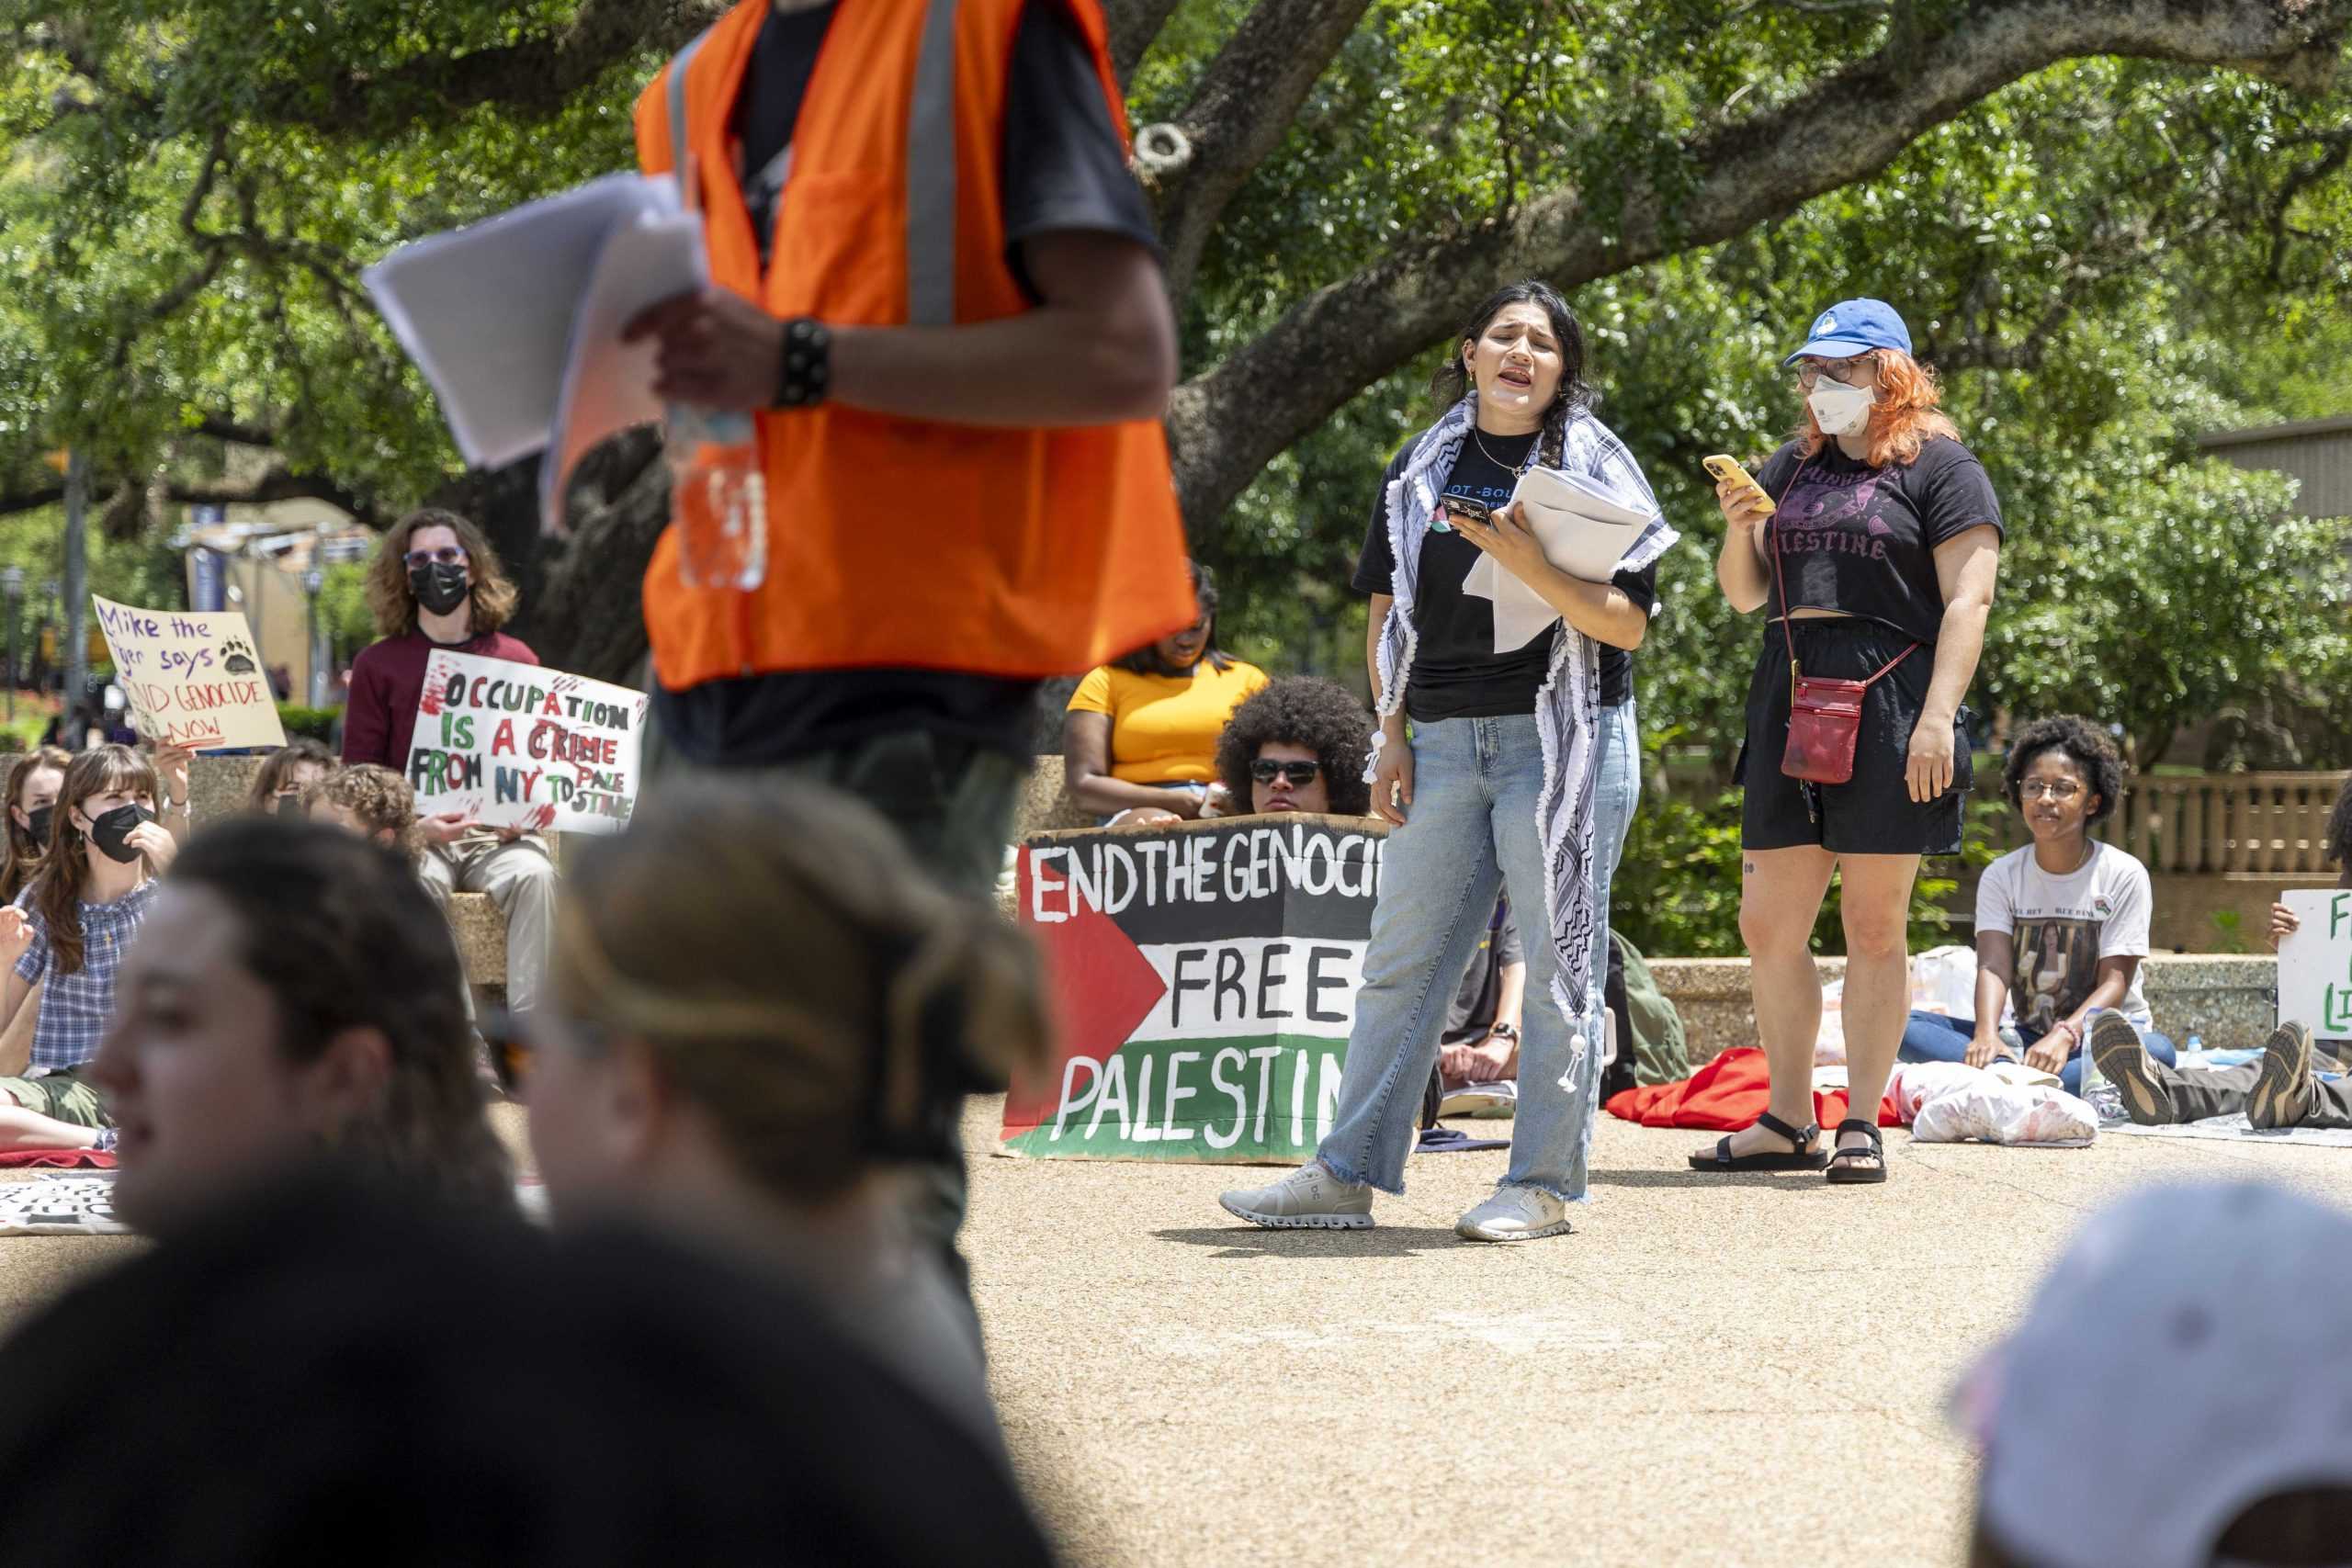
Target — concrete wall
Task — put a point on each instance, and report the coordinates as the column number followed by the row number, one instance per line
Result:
column 2226, row 999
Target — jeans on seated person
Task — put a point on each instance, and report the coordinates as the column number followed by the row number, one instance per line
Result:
column 1470, row 833
column 1932, row 1037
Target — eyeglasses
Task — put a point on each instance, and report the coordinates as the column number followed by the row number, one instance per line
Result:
column 2060, row 789
column 1265, row 770
column 447, row 555
column 1848, row 371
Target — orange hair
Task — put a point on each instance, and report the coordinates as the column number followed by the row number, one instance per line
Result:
column 1905, row 417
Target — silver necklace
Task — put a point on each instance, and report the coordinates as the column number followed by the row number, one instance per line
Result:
column 1498, row 462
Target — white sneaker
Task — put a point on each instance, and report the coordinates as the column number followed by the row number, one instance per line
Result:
column 1514, row 1214
column 1309, row 1197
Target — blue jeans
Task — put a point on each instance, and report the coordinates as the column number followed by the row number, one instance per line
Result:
column 1932, row 1037
column 1615, row 793
column 1469, row 834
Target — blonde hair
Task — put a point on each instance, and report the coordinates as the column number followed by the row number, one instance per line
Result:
column 796, row 974
column 394, row 607
column 378, row 797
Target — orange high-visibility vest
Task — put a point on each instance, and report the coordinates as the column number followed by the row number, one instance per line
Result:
column 899, row 541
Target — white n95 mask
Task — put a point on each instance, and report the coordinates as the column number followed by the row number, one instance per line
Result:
column 1839, row 409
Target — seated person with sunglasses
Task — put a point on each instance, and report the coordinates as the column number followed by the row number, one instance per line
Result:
column 2060, row 924
column 436, row 583
column 1298, row 745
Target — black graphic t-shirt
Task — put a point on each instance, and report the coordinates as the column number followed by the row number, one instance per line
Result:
column 1457, row 672
column 1862, row 540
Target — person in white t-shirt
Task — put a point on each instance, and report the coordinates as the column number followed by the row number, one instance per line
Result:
column 2062, row 924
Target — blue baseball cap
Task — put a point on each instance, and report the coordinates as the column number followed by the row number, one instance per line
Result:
column 1852, row 327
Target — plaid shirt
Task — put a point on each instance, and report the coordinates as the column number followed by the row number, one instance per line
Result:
column 77, row 1007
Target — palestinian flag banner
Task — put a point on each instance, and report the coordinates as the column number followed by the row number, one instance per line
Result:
column 1204, row 978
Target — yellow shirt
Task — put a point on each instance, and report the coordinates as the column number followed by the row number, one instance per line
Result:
column 1164, row 727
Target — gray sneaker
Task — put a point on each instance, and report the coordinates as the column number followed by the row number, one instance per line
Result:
column 2122, row 1059
column 1309, row 1197
column 1515, row 1214
column 2282, row 1092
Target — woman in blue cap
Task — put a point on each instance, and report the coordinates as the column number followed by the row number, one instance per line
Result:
column 1875, row 558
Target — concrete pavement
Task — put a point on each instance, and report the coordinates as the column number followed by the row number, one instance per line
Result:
column 1713, row 1371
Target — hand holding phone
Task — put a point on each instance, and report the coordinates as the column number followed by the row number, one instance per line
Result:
column 1728, row 471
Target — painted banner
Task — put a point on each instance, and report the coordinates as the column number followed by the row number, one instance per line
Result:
column 2315, row 965
column 192, row 676
column 1204, row 979
column 516, row 746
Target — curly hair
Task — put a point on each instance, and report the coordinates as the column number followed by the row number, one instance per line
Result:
column 2082, row 740
column 380, row 798
column 394, row 607
column 280, row 765
column 1451, row 384
column 2339, row 828
column 1302, row 710
column 1905, row 417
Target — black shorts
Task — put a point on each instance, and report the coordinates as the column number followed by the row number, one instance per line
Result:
column 1873, row 813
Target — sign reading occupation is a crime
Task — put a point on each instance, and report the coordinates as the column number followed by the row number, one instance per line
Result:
column 2315, row 965
column 1204, row 979
column 192, row 676
column 516, row 746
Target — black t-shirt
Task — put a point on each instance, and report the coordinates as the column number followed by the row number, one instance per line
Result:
column 1063, row 169
column 1862, row 540
column 1457, row 672
column 1475, row 1004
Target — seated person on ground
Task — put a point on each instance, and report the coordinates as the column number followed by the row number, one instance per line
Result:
column 374, row 802
column 2338, row 848
column 1142, row 731
column 765, row 1097
column 1479, row 1048
column 1299, row 745
column 2061, row 925
column 2167, row 1399
column 284, row 773
column 67, row 934
column 32, row 789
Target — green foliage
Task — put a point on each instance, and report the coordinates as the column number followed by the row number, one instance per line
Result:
column 318, row 724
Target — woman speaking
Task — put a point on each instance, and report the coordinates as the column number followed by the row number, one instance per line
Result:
column 1486, row 762
column 1878, row 552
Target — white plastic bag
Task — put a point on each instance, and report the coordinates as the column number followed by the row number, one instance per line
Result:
column 1829, row 1046
column 1950, row 1102
column 1943, row 979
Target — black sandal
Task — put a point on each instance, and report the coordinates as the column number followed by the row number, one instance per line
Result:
column 1842, row 1168
column 1805, row 1156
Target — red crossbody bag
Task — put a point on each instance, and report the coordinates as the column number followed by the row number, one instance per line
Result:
column 1825, row 715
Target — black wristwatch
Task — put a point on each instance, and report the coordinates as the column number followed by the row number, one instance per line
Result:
column 804, row 371
column 1504, row 1032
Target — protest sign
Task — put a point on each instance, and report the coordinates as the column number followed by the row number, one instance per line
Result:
column 516, row 746
column 192, row 676
column 2315, row 965
column 1204, row 979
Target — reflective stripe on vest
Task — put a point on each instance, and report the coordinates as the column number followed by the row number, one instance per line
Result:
column 931, row 174
column 678, row 117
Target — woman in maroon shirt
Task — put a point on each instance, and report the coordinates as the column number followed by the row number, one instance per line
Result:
column 436, row 583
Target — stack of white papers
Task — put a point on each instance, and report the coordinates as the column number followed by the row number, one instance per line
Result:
column 516, row 321
column 1585, row 528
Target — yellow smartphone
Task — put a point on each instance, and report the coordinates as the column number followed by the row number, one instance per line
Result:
column 1727, row 468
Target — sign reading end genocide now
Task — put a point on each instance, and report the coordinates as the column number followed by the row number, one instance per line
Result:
column 192, row 676
column 516, row 746
column 1204, row 979
column 2315, row 965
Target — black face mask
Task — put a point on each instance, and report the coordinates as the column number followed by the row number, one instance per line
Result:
column 440, row 586
column 38, row 822
column 111, row 831
column 289, row 806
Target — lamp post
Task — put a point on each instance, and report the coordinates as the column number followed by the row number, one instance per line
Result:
column 312, row 580
column 12, row 585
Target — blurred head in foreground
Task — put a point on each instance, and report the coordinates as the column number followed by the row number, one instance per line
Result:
column 293, row 992
column 760, row 1019
column 2176, row 1395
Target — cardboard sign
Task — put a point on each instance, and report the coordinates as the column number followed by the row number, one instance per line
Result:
column 1204, row 982
column 2315, row 965
column 516, row 746
column 192, row 676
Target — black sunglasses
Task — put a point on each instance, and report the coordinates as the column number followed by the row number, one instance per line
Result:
column 1300, row 775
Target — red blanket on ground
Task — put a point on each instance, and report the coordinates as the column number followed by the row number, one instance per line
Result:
column 1725, row 1095
column 64, row 1159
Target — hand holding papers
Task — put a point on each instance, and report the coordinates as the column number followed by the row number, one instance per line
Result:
column 516, row 321
column 1585, row 528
